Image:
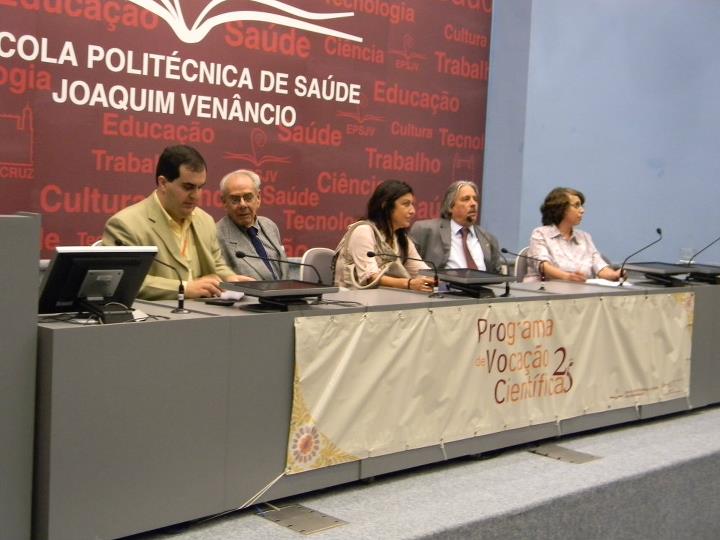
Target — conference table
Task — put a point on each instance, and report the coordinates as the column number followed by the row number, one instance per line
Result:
column 147, row 424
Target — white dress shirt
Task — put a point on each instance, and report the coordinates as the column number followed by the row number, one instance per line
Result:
column 457, row 253
column 576, row 254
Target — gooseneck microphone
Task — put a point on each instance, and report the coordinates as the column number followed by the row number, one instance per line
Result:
column 373, row 254
column 242, row 255
column 622, row 266
column 181, row 288
column 690, row 261
column 541, row 264
column 507, row 283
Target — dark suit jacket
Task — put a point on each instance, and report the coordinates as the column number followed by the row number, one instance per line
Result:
column 144, row 224
column 233, row 239
column 432, row 238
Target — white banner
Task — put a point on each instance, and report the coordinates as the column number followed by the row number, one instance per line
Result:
column 370, row 384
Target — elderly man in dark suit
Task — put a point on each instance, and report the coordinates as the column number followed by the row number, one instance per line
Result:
column 455, row 240
column 243, row 230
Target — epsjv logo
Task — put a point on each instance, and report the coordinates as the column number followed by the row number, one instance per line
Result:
column 17, row 151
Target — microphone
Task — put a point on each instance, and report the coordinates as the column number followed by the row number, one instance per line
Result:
column 541, row 264
column 507, row 283
column 622, row 266
column 181, row 288
column 242, row 255
column 690, row 261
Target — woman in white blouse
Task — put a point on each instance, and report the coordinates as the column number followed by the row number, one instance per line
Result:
column 566, row 252
column 383, row 232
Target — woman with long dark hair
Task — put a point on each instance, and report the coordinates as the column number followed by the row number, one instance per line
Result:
column 383, row 232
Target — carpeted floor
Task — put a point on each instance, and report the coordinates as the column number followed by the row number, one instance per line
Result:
column 658, row 479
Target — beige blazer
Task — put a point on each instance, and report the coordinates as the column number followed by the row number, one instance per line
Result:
column 144, row 224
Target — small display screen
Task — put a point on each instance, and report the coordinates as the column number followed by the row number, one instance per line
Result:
column 707, row 269
column 280, row 288
column 659, row 268
column 284, row 284
column 470, row 276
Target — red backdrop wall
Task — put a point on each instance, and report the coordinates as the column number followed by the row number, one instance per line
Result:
column 322, row 108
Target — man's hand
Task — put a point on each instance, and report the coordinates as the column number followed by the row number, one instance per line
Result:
column 239, row 277
column 203, row 287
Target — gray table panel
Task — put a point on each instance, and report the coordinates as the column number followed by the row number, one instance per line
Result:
column 19, row 251
column 475, row 445
column 665, row 407
column 705, row 354
column 319, row 479
column 199, row 425
column 585, row 289
column 132, row 426
column 261, row 379
column 595, row 420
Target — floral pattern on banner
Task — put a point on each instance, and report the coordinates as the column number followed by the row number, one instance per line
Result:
column 308, row 448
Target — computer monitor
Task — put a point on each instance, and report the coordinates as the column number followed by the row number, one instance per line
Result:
column 706, row 273
column 668, row 274
column 472, row 282
column 102, row 280
column 281, row 294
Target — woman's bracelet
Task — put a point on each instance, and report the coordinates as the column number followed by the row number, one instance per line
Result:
column 408, row 284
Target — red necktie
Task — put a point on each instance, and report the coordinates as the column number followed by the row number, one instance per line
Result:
column 468, row 257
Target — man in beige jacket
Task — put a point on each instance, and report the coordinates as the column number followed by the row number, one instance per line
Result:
column 184, row 234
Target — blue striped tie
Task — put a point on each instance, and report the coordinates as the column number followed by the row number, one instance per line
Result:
column 260, row 249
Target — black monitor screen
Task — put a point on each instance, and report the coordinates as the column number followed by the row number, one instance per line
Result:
column 280, row 288
column 708, row 269
column 468, row 276
column 82, row 275
column 656, row 267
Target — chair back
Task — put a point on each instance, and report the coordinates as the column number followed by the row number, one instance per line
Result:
column 521, row 264
column 321, row 258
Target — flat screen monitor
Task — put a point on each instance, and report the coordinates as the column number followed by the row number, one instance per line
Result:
column 97, row 279
column 669, row 274
column 659, row 268
column 706, row 273
column 279, row 295
column 468, row 276
column 471, row 282
column 282, row 288
column 706, row 269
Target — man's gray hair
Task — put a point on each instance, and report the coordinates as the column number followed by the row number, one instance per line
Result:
column 250, row 174
column 451, row 196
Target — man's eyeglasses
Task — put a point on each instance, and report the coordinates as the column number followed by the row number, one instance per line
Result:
column 247, row 198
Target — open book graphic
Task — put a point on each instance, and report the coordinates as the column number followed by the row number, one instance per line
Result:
column 171, row 12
